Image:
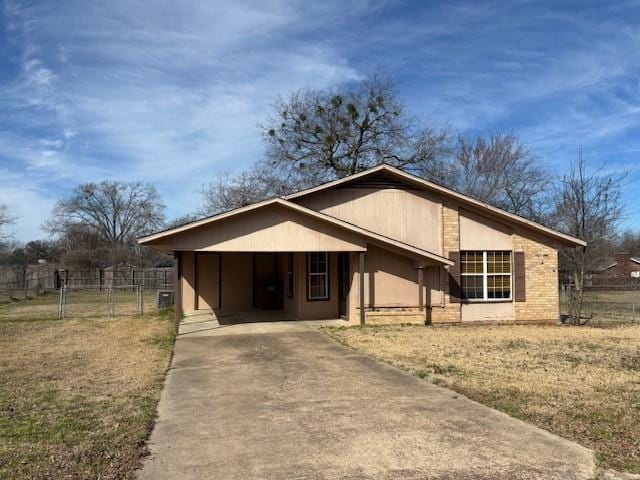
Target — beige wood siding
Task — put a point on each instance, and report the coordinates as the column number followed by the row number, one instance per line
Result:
column 482, row 233
column 208, row 281
column 433, row 292
column 237, row 278
column 410, row 216
column 488, row 312
column 390, row 280
column 272, row 229
column 293, row 305
column 188, row 282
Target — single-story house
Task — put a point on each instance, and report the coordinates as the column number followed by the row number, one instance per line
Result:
column 380, row 245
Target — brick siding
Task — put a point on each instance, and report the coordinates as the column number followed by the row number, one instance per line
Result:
column 541, row 274
column 448, row 312
column 541, row 278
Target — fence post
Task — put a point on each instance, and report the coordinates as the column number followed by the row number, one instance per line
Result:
column 141, row 299
column 633, row 305
column 60, row 306
column 24, row 281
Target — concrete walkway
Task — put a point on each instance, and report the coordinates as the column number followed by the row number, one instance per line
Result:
column 283, row 401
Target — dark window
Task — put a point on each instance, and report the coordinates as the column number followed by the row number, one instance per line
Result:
column 486, row 275
column 318, row 276
column 290, row 275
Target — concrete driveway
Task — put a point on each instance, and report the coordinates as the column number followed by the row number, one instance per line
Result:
column 283, row 401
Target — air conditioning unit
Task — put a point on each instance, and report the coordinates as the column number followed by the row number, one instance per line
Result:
column 164, row 299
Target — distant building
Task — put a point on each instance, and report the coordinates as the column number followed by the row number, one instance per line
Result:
column 625, row 265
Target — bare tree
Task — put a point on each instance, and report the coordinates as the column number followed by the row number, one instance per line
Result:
column 17, row 253
column 82, row 246
column 629, row 242
column 181, row 220
column 317, row 135
column 428, row 154
column 6, row 219
column 499, row 170
column 112, row 213
column 329, row 134
column 589, row 207
column 231, row 191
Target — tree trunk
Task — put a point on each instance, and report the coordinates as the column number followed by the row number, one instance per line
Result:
column 577, row 296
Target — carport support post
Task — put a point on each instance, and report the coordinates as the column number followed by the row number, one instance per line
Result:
column 421, row 288
column 361, row 286
column 177, row 288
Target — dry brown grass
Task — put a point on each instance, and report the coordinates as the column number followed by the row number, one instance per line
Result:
column 582, row 383
column 78, row 397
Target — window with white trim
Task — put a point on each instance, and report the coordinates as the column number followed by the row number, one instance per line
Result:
column 318, row 276
column 486, row 275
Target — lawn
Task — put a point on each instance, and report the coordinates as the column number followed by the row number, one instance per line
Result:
column 78, row 396
column 582, row 383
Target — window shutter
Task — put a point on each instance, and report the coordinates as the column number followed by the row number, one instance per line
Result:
column 454, row 278
column 520, row 294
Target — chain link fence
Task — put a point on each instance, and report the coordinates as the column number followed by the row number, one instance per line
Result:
column 44, row 292
column 114, row 301
column 28, row 305
column 606, row 303
column 79, row 302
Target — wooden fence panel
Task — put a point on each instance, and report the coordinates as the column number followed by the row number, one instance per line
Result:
column 42, row 277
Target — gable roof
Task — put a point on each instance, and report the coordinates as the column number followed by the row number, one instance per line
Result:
column 375, row 238
column 435, row 188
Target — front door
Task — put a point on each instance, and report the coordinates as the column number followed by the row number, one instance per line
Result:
column 343, row 282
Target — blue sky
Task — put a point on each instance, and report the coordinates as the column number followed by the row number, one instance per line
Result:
column 173, row 92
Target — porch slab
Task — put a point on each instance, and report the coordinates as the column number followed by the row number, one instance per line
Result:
column 254, row 322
